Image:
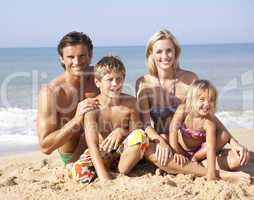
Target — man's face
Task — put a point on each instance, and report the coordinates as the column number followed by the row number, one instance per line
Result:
column 111, row 84
column 75, row 58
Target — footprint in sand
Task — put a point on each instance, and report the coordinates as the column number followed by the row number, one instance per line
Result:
column 10, row 181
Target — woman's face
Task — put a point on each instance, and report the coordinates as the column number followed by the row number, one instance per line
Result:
column 164, row 54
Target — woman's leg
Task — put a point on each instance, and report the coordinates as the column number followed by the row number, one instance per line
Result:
column 226, row 159
column 193, row 168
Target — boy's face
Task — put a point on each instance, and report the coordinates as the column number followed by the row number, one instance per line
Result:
column 111, row 84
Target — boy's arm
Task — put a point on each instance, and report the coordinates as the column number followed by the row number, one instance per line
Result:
column 91, row 132
column 210, row 129
column 176, row 122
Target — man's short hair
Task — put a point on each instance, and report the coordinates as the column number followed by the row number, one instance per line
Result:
column 75, row 38
column 108, row 64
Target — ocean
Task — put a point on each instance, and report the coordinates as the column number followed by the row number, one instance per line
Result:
column 230, row 67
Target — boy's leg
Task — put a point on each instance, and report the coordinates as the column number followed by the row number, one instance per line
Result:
column 129, row 158
column 134, row 147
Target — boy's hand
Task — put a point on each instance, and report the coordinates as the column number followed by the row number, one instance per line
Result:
column 180, row 159
column 112, row 141
column 163, row 152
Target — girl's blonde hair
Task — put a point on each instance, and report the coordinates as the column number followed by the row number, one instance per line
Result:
column 195, row 90
column 161, row 35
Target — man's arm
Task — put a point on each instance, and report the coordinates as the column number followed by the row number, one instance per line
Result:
column 91, row 133
column 50, row 135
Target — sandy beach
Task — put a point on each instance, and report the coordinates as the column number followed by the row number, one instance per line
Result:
column 36, row 176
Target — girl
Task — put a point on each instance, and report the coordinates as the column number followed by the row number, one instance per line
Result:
column 194, row 126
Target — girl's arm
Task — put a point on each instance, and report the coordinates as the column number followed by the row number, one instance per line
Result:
column 210, row 128
column 176, row 122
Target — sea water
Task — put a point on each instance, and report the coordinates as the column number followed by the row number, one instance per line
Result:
column 230, row 67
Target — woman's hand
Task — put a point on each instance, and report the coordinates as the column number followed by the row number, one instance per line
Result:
column 163, row 152
column 241, row 152
column 180, row 159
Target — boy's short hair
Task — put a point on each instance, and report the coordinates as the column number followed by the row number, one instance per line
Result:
column 195, row 90
column 108, row 64
column 74, row 38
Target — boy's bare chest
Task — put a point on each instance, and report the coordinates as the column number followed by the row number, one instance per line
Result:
column 116, row 117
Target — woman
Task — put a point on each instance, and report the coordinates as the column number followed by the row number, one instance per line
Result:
column 159, row 93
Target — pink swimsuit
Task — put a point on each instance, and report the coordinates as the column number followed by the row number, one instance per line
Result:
column 194, row 134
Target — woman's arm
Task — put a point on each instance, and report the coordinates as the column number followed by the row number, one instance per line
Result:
column 163, row 151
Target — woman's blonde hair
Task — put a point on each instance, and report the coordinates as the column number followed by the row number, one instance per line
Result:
column 195, row 90
column 161, row 35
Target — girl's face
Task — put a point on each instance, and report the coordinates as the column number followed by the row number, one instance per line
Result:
column 204, row 106
column 164, row 54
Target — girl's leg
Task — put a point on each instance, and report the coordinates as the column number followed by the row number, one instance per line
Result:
column 194, row 168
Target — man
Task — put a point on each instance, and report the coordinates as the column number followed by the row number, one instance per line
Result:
column 64, row 101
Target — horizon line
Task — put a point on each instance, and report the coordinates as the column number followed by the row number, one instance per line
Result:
column 139, row 45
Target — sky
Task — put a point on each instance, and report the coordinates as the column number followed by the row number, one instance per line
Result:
column 42, row 23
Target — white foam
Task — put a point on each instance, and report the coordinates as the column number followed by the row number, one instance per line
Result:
column 18, row 126
column 17, row 121
column 237, row 119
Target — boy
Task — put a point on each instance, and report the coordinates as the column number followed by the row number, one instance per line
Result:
column 107, row 126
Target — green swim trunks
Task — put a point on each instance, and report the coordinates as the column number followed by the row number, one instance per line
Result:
column 65, row 157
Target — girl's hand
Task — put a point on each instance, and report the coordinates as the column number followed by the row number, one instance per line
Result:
column 180, row 159
column 163, row 152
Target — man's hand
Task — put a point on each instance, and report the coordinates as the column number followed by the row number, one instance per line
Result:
column 163, row 152
column 113, row 140
column 85, row 106
column 180, row 159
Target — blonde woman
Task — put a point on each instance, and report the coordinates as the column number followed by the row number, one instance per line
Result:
column 159, row 93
